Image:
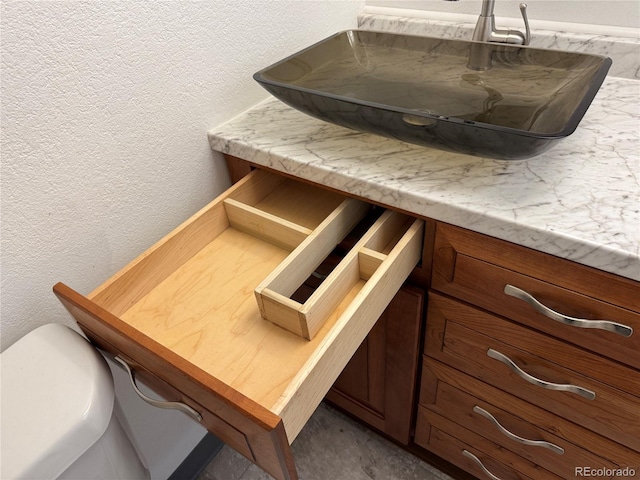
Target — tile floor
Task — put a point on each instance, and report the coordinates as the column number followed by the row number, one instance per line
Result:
column 332, row 447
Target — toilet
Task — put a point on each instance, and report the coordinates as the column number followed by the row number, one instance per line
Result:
column 58, row 411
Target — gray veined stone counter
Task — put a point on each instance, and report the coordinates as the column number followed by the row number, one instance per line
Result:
column 580, row 200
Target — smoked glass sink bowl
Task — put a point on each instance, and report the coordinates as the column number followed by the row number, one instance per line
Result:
column 484, row 99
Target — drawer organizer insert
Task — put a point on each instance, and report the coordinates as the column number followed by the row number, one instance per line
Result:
column 193, row 292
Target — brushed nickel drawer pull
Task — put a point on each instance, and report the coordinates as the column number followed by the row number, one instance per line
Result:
column 470, row 455
column 184, row 408
column 516, row 438
column 607, row 325
column 583, row 392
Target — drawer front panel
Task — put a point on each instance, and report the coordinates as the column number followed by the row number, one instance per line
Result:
column 458, row 335
column 265, row 438
column 459, row 398
column 477, row 269
column 555, row 351
column 212, row 422
column 443, row 437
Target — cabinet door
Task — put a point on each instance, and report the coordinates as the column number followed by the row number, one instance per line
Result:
column 378, row 383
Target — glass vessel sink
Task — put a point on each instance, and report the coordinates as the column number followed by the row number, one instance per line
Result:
column 421, row 90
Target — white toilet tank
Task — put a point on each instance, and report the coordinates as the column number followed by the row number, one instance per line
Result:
column 57, row 416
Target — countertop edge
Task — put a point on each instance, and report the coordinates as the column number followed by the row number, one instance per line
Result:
column 601, row 257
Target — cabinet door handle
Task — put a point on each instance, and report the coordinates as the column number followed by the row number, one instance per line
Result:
column 583, row 392
column 525, row 441
column 607, row 325
column 470, row 455
column 157, row 403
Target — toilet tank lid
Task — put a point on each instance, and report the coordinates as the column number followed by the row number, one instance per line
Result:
column 57, row 401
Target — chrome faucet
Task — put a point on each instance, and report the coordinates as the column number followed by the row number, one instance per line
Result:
column 486, row 27
column 486, row 31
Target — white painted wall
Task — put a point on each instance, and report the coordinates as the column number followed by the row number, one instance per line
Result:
column 619, row 13
column 105, row 109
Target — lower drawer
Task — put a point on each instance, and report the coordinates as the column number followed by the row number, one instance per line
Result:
column 185, row 311
column 475, row 454
column 551, row 294
column 551, row 374
column 535, row 434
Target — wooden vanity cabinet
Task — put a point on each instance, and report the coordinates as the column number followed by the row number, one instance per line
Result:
column 255, row 384
column 514, row 375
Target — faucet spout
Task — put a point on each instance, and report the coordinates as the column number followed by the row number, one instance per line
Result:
column 486, row 31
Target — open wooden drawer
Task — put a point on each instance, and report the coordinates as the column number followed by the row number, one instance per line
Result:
column 184, row 314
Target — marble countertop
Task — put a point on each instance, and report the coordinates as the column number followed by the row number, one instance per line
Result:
column 580, row 200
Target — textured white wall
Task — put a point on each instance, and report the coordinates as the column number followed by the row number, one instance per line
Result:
column 105, row 109
column 619, row 13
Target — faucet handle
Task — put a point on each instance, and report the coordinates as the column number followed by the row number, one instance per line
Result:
column 527, row 35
